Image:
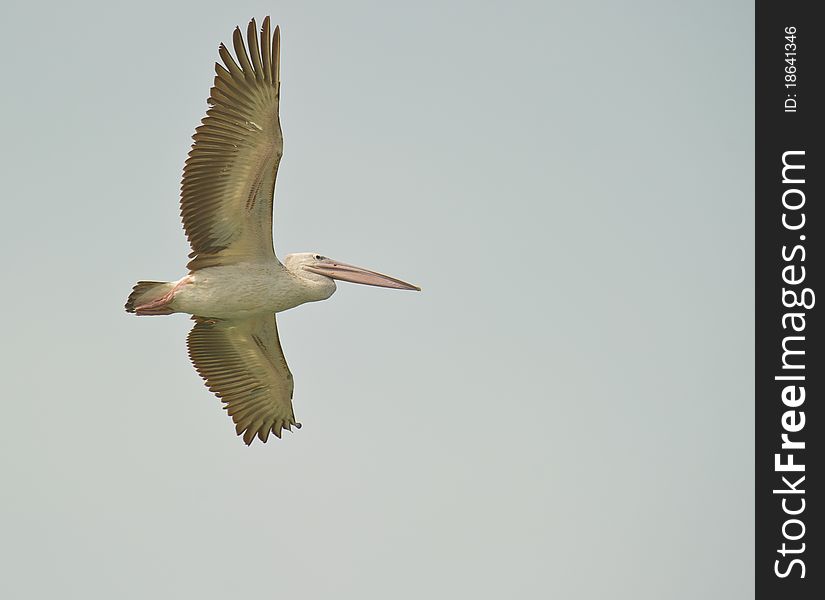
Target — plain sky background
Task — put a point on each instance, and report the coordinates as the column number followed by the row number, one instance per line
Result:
column 565, row 411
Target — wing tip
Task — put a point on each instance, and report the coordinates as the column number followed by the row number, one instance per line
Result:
column 249, row 433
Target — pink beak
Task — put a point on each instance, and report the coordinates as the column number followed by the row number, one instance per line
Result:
column 344, row 272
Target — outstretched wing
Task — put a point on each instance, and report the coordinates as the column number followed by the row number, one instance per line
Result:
column 229, row 178
column 243, row 364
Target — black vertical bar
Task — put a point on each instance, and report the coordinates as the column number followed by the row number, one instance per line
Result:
column 790, row 559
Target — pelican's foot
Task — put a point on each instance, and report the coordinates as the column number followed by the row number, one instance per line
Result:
column 161, row 306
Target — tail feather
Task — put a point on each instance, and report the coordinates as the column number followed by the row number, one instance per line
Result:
column 146, row 292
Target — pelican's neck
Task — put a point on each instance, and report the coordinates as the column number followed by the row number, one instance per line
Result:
column 309, row 286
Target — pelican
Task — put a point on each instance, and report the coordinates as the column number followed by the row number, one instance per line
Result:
column 235, row 284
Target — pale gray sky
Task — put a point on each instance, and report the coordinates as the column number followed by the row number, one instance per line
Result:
column 564, row 412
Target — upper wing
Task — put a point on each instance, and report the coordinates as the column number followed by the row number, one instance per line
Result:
column 229, row 177
column 243, row 364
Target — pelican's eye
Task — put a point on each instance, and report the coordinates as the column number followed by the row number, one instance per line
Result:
column 319, row 257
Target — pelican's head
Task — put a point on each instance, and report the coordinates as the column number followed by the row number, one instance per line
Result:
column 323, row 270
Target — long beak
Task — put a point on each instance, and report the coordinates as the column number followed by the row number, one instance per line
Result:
column 353, row 274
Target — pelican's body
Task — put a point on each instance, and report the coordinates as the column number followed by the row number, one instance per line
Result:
column 247, row 290
column 235, row 283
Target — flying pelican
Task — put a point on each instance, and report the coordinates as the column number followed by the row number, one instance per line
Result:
column 235, row 283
